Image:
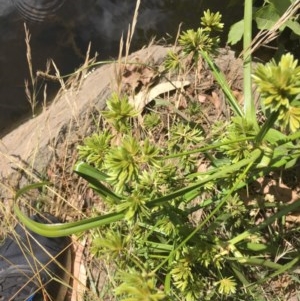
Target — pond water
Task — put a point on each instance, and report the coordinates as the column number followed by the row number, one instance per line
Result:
column 64, row 37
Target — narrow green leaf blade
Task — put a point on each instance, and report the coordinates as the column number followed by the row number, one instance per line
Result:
column 94, row 177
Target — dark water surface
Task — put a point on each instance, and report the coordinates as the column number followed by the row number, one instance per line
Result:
column 65, row 37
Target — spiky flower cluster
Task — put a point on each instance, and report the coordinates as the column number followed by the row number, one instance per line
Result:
column 195, row 41
column 279, row 85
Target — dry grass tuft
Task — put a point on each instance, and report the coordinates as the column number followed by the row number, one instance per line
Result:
column 31, row 94
column 264, row 37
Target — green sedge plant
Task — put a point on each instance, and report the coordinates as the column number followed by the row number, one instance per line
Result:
column 153, row 190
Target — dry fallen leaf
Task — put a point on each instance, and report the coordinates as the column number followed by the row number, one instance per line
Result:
column 216, row 101
column 135, row 75
column 144, row 97
column 202, row 98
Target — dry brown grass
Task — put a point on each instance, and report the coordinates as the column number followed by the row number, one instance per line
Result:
column 264, row 37
column 67, row 197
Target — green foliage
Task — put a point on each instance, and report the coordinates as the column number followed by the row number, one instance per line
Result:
column 195, row 41
column 236, row 32
column 95, row 148
column 139, row 287
column 110, row 247
column 183, row 136
column 119, row 112
column 151, row 121
column 171, row 230
column 154, row 185
column 279, row 85
column 123, row 162
column 135, row 207
column 212, row 21
column 172, row 61
column 226, row 286
column 234, row 147
column 266, row 16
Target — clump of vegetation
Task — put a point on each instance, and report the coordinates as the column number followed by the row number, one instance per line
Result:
column 279, row 86
column 172, row 231
column 193, row 42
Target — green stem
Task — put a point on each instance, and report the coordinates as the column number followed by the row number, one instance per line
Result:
column 266, row 127
column 236, row 269
column 288, row 266
column 212, row 213
column 219, row 76
column 284, row 211
column 259, row 262
column 217, row 175
column 208, row 147
column 56, row 230
column 59, row 230
column 249, row 108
